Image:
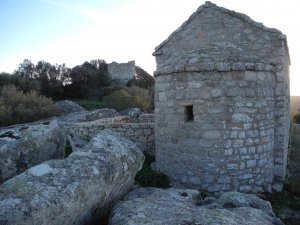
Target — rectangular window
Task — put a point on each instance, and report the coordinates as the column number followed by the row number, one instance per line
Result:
column 189, row 113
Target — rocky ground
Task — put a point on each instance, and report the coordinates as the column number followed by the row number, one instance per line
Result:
column 81, row 188
column 187, row 207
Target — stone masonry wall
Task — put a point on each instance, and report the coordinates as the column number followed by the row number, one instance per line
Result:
column 234, row 72
column 122, row 71
column 229, row 145
column 215, row 38
column 142, row 134
column 282, row 118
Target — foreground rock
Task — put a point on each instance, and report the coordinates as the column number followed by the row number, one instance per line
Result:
column 66, row 106
column 74, row 190
column 132, row 113
column 85, row 116
column 186, row 207
column 26, row 145
column 100, row 114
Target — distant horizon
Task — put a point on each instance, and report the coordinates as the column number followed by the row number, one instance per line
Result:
column 72, row 32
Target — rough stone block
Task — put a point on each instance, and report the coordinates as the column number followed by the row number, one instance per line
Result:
column 241, row 118
column 232, row 166
column 24, row 146
column 75, row 190
column 251, row 163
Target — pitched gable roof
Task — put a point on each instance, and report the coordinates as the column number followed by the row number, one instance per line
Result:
column 230, row 12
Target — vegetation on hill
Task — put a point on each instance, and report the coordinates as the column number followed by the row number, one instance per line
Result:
column 19, row 107
column 26, row 93
column 296, row 117
column 295, row 106
column 130, row 97
column 142, row 79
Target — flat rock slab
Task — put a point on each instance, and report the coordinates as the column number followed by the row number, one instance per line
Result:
column 77, row 190
column 26, row 145
column 186, row 207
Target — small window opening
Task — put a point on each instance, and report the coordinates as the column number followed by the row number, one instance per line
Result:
column 189, row 113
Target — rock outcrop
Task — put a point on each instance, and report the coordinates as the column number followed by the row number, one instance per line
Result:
column 73, row 190
column 100, row 114
column 132, row 113
column 186, row 207
column 66, row 107
column 26, row 145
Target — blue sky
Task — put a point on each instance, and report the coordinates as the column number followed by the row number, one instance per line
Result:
column 74, row 31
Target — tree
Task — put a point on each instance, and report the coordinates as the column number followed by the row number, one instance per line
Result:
column 5, row 79
column 26, row 70
column 52, row 78
column 88, row 80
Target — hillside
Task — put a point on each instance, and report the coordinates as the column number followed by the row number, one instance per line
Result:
column 295, row 105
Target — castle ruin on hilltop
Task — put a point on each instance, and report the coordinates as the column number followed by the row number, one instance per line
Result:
column 122, row 72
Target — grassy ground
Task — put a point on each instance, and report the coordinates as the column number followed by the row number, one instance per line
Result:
column 90, row 104
column 146, row 177
column 285, row 199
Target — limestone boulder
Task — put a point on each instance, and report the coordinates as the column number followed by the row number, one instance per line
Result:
column 26, row 145
column 66, row 106
column 186, row 207
column 100, row 114
column 77, row 190
column 131, row 113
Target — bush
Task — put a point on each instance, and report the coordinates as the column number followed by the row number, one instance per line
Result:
column 296, row 118
column 68, row 149
column 23, row 84
column 90, row 104
column 142, row 98
column 19, row 107
column 128, row 98
column 148, row 178
column 118, row 100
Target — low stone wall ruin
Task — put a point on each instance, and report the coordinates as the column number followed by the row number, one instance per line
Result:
column 141, row 133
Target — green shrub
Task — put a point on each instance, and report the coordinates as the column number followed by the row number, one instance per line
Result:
column 148, row 178
column 68, row 149
column 128, row 98
column 118, row 100
column 19, row 107
column 293, row 186
column 285, row 199
column 296, row 118
column 142, row 98
column 90, row 104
